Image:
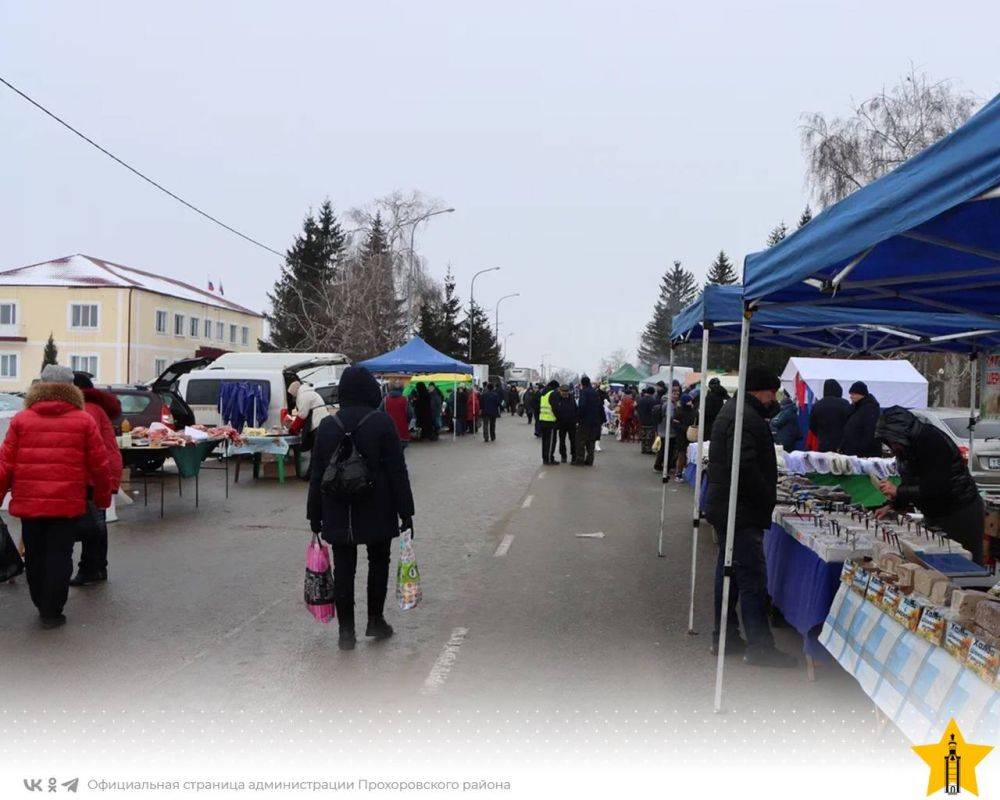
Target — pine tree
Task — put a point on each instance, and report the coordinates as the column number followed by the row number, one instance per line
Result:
column 451, row 327
column 677, row 289
column 50, row 355
column 806, row 217
column 485, row 349
column 778, row 232
column 722, row 272
column 429, row 322
column 311, row 265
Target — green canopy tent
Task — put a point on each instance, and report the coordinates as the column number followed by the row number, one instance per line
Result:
column 626, row 374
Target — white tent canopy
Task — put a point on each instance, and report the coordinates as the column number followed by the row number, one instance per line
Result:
column 893, row 382
column 680, row 375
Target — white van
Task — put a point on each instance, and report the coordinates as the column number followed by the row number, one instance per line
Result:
column 327, row 369
column 201, row 388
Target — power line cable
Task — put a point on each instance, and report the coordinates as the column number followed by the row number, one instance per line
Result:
column 136, row 172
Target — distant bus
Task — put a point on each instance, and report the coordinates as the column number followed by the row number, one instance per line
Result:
column 521, row 376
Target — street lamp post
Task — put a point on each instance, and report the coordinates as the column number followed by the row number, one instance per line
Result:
column 472, row 302
column 409, row 281
column 505, row 338
column 496, row 313
column 543, row 365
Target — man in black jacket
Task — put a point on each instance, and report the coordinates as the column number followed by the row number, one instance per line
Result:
column 373, row 519
column 645, row 411
column 490, row 406
column 859, row 427
column 934, row 479
column 590, row 412
column 564, row 405
column 714, row 401
column 755, row 499
column 828, row 416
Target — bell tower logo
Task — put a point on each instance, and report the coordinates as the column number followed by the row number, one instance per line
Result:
column 952, row 762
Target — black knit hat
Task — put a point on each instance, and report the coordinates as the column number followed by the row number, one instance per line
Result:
column 761, row 379
column 858, row 387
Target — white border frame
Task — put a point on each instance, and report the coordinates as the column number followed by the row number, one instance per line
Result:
column 84, row 328
column 166, row 327
column 19, row 358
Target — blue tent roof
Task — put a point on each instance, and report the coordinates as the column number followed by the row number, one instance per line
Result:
column 925, row 236
column 414, row 357
column 834, row 328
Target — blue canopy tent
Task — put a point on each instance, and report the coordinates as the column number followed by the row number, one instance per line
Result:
column 414, row 357
column 718, row 313
column 417, row 357
column 924, row 237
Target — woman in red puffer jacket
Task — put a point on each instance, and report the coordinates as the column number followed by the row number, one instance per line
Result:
column 52, row 454
column 103, row 408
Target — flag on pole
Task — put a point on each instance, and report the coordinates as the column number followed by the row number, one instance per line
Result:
column 211, row 287
column 220, row 287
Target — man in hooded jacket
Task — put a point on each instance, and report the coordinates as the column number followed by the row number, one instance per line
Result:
column 828, row 415
column 934, row 479
column 373, row 519
column 714, row 401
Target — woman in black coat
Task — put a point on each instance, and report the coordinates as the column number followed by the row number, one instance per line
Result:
column 374, row 519
column 423, row 410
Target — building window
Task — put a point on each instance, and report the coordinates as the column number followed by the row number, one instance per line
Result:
column 8, row 313
column 83, row 315
column 159, row 367
column 178, row 324
column 208, row 329
column 232, row 334
column 195, row 327
column 8, row 365
column 86, row 364
column 220, row 331
column 245, row 335
column 161, row 321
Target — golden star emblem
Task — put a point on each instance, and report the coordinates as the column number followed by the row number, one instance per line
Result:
column 937, row 755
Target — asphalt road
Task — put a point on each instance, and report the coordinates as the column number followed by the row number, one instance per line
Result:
column 531, row 642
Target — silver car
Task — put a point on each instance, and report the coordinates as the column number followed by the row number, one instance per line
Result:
column 954, row 422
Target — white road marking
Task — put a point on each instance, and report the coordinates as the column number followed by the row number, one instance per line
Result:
column 504, row 545
column 527, row 501
column 445, row 661
column 598, row 535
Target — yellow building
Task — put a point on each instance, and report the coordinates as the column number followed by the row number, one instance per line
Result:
column 121, row 324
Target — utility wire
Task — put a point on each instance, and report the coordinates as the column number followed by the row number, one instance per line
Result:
column 136, row 172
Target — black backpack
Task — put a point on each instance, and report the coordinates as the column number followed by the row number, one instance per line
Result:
column 348, row 476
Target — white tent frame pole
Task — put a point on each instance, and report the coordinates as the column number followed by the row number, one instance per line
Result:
column 665, row 443
column 973, row 385
column 734, row 482
column 696, row 512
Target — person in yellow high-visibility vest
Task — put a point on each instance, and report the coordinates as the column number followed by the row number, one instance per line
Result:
column 547, row 422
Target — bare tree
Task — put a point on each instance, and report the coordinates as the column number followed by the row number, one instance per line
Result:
column 846, row 153
column 612, row 361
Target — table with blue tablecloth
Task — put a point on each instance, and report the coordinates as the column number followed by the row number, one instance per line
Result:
column 801, row 585
column 278, row 445
column 916, row 684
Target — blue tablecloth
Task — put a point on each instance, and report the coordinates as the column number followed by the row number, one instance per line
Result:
column 801, row 585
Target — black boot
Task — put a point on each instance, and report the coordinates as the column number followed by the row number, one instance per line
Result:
column 347, row 639
column 50, row 621
column 86, row 578
column 378, row 628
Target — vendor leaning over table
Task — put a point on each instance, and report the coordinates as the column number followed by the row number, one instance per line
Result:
column 310, row 409
column 934, row 479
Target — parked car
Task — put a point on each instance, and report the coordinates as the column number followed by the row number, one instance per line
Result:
column 954, row 422
column 10, row 404
column 158, row 401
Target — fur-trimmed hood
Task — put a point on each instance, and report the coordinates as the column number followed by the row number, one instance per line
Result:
column 107, row 401
column 44, row 392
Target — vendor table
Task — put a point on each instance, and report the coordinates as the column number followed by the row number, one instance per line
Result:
column 188, row 458
column 255, row 446
column 801, row 585
column 914, row 683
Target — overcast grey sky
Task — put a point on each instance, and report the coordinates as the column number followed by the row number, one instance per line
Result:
column 584, row 145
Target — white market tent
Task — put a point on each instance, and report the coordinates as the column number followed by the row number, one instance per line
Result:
column 680, row 375
column 893, row 382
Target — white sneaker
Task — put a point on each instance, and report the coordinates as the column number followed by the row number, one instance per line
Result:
column 597, row 447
